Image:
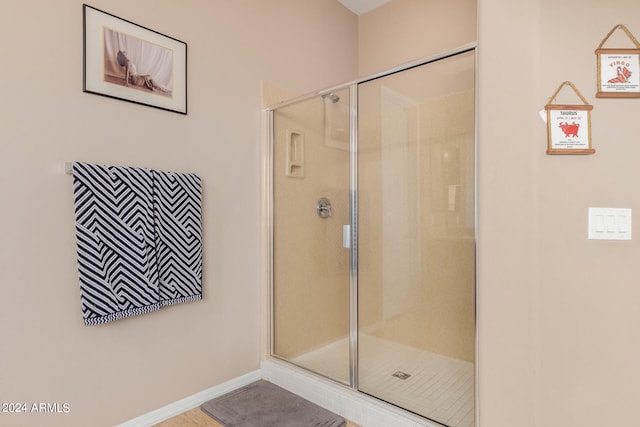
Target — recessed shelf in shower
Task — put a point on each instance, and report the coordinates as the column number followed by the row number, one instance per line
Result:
column 295, row 154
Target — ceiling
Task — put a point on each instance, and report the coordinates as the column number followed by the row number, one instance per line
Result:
column 362, row 6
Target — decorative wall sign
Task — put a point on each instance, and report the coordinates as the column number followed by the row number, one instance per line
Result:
column 618, row 69
column 126, row 61
column 569, row 126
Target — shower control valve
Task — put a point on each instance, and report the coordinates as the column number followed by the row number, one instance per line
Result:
column 323, row 208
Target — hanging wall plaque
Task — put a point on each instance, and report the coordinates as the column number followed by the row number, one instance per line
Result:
column 618, row 69
column 568, row 126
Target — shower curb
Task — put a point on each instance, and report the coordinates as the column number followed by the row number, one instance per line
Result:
column 350, row 404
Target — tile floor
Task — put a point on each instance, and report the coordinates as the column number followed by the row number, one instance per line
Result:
column 439, row 388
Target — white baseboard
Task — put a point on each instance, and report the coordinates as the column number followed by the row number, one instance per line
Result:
column 192, row 401
column 350, row 404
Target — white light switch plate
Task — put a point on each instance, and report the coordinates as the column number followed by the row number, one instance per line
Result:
column 609, row 224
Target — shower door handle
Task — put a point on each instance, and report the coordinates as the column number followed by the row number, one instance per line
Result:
column 346, row 236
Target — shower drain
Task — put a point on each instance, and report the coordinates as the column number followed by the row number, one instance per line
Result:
column 401, row 375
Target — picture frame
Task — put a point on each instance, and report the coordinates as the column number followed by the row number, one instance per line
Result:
column 618, row 69
column 569, row 129
column 127, row 61
column 569, row 126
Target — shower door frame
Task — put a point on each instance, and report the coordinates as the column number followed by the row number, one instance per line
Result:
column 268, row 213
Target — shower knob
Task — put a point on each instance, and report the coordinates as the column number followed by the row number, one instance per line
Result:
column 323, row 208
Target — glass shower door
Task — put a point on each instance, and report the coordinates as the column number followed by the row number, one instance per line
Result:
column 416, row 244
column 310, row 207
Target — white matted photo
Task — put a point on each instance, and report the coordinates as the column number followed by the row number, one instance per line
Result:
column 569, row 130
column 620, row 73
column 126, row 61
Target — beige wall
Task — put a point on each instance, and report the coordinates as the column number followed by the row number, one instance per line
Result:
column 115, row 372
column 405, row 30
column 557, row 312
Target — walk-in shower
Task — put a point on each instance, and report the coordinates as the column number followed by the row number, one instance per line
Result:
column 372, row 202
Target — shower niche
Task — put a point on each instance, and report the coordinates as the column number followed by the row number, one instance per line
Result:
column 295, row 154
column 391, row 313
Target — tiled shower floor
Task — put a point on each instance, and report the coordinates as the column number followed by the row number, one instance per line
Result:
column 439, row 388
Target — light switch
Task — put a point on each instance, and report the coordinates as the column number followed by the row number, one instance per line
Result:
column 612, row 225
column 609, row 224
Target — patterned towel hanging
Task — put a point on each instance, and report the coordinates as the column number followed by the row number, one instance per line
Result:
column 179, row 236
column 138, row 238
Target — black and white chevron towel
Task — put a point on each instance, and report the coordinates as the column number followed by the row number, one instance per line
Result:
column 139, row 240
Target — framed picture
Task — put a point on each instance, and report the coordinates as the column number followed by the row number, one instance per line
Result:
column 569, row 126
column 126, row 61
column 619, row 69
column 619, row 73
column 569, row 129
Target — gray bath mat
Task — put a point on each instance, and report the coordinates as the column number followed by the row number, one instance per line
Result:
column 263, row 404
